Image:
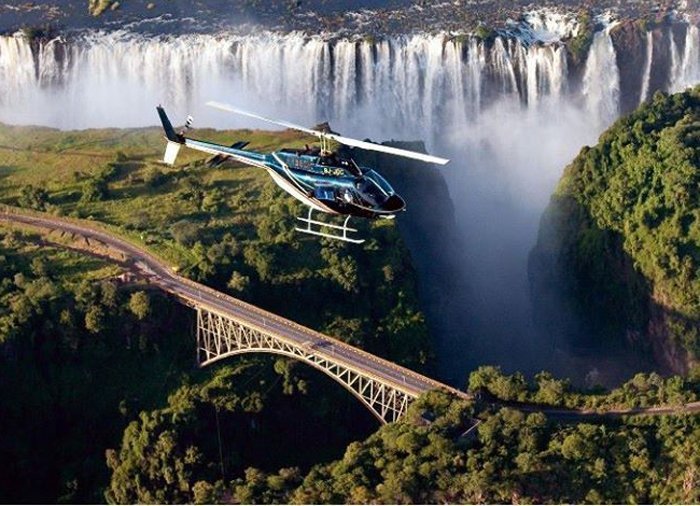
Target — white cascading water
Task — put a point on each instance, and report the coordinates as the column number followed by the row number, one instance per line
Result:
column 685, row 67
column 507, row 113
column 419, row 82
column 646, row 75
column 601, row 81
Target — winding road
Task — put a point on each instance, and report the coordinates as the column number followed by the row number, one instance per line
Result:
column 159, row 274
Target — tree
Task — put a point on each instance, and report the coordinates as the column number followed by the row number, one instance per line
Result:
column 33, row 198
column 502, row 386
column 238, row 282
column 109, row 294
column 550, row 390
column 185, row 232
column 140, row 304
column 94, row 190
column 95, row 320
column 39, row 266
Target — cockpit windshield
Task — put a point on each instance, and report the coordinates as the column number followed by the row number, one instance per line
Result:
column 381, row 182
column 372, row 191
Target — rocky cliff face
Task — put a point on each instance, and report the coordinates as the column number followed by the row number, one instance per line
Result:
column 586, row 290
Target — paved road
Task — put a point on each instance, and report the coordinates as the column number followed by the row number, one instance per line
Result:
column 199, row 295
column 566, row 414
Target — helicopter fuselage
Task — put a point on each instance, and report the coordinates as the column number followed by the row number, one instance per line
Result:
column 330, row 184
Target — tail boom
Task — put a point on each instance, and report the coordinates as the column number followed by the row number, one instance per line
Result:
column 177, row 140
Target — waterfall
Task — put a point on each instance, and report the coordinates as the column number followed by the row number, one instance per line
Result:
column 675, row 72
column 685, row 68
column 646, row 76
column 502, row 67
column 407, row 84
column 509, row 112
column 16, row 68
column 601, row 80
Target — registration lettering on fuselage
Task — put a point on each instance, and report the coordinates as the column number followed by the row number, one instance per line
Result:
column 333, row 171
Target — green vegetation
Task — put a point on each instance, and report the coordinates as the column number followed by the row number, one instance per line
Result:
column 443, row 453
column 99, row 362
column 230, row 227
column 623, row 229
column 579, row 44
column 485, row 33
column 97, row 7
column 81, row 366
column 101, row 399
column 642, row 391
column 71, row 355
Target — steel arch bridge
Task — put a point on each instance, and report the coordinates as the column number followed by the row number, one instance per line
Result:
column 227, row 326
column 219, row 337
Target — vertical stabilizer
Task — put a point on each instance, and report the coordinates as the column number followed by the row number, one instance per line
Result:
column 167, row 126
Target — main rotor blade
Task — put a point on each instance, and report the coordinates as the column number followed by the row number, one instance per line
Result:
column 229, row 108
column 348, row 141
column 370, row 146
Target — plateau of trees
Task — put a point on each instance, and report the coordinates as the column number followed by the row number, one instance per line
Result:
column 642, row 391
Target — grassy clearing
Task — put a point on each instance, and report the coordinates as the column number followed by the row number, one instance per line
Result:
column 68, row 267
column 144, row 197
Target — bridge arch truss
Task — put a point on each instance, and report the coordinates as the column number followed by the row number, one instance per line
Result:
column 219, row 337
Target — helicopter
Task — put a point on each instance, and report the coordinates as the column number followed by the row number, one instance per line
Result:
column 320, row 178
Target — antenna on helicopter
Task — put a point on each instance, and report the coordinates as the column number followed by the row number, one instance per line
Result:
column 325, row 136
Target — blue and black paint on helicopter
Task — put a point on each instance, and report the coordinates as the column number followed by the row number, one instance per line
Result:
column 324, row 180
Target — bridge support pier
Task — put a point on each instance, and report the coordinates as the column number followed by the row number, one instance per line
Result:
column 219, row 336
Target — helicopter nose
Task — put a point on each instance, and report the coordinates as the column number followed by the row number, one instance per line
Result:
column 394, row 204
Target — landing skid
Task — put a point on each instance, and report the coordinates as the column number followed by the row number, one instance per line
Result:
column 311, row 223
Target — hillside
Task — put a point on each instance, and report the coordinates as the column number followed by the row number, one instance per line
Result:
column 619, row 245
column 448, row 451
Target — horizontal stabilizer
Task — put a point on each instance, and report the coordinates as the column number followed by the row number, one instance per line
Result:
column 217, row 160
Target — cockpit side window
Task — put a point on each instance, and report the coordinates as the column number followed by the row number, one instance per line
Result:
column 329, row 160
